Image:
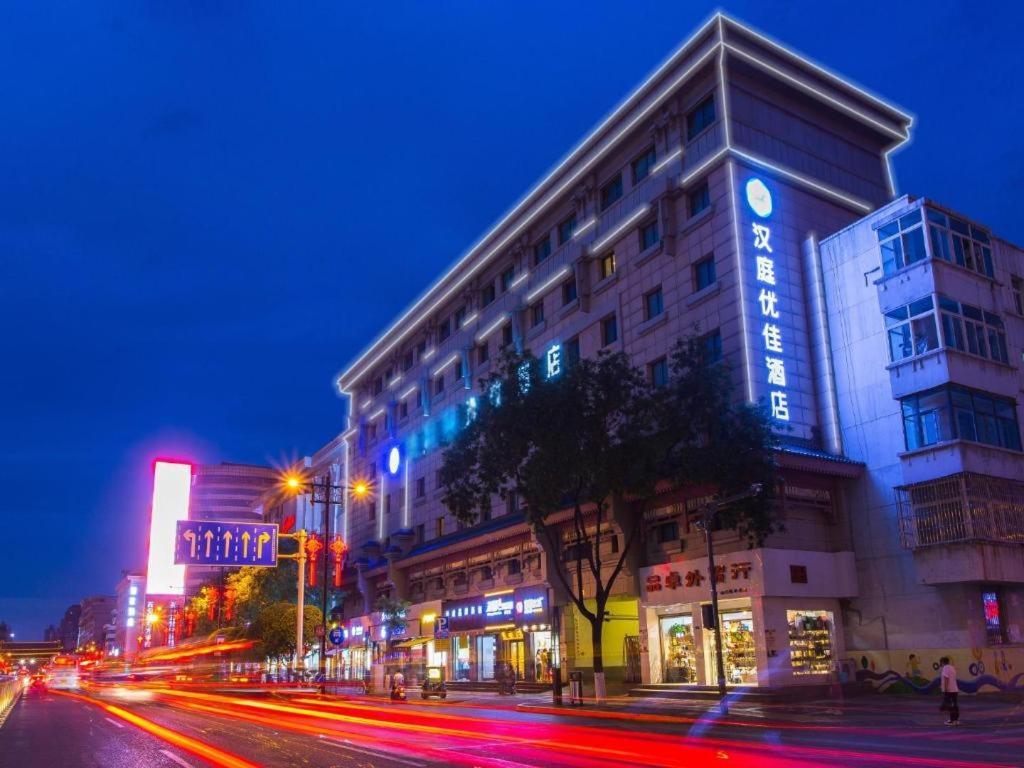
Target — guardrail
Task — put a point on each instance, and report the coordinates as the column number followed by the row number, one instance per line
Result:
column 9, row 692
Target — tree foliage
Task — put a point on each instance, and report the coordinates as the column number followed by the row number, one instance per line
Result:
column 274, row 627
column 393, row 614
column 595, row 444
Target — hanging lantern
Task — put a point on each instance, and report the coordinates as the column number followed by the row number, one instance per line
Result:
column 338, row 550
column 211, row 603
column 229, row 603
column 313, row 547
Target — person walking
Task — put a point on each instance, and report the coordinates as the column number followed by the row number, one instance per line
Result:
column 950, row 691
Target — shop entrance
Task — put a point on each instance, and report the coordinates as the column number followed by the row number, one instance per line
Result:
column 517, row 657
column 678, row 652
column 737, row 649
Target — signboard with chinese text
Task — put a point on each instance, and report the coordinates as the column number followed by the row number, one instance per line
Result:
column 209, row 542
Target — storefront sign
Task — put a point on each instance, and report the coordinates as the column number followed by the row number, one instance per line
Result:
column 695, row 577
column 531, row 605
column 498, row 607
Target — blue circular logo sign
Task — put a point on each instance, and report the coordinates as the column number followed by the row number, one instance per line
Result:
column 337, row 635
column 394, row 460
column 759, row 198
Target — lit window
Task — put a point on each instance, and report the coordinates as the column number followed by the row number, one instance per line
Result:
column 131, row 599
column 131, row 610
column 608, row 265
column 133, row 589
column 130, row 623
column 993, row 617
column 700, row 117
column 973, row 330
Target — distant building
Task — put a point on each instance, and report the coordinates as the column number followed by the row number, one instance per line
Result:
column 51, row 634
column 69, row 628
column 225, row 491
column 95, row 615
column 130, row 598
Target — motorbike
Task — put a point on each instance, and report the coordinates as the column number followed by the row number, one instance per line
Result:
column 398, row 691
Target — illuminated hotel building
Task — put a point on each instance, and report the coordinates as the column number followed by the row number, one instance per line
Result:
column 699, row 202
column 129, row 615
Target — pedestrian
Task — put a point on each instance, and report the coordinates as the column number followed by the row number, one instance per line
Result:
column 950, row 691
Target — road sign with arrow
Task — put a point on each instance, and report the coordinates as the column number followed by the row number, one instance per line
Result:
column 209, row 542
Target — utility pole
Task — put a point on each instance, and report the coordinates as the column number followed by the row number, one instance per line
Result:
column 711, row 509
column 326, row 488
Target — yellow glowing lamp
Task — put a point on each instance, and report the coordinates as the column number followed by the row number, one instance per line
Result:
column 360, row 489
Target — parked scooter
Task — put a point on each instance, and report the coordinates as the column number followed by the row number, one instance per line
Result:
column 433, row 684
column 507, row 680
column 398, row 687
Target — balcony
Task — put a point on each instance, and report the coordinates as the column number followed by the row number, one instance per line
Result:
column 965, row 527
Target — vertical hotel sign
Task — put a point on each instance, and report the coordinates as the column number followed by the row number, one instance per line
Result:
column 772, row 342
column 172, row 485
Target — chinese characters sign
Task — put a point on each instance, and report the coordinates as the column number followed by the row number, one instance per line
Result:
column 773, row 343
column 695, row 577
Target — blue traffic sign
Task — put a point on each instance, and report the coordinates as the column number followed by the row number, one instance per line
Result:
column 209, row 542
column 336, row 635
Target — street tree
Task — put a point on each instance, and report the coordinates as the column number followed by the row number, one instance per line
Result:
column 577, row 450
column 393, row 614
column 274, row 628
column 717, row 442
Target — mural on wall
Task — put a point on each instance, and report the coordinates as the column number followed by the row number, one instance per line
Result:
column 978, row 669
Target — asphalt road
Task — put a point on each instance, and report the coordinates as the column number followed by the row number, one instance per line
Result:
column 49, row 730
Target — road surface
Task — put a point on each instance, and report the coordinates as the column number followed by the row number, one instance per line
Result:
column 131, row 727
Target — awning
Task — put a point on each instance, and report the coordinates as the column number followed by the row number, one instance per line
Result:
column 413, row 642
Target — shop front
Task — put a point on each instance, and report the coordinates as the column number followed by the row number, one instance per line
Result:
column 778, row 616
column 511, row 626
column 353, row 660
column 413, row 649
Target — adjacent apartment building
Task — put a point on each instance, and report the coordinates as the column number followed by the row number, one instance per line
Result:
column 703, row 202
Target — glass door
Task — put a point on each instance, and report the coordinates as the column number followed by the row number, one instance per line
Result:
column 678, row 653
column 737, row 649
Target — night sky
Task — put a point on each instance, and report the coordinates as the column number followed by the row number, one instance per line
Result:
column 207, row 208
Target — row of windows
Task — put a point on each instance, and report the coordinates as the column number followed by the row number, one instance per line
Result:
column 913, row 330
column 697, row 120
column 952, row 412
column 902, row 242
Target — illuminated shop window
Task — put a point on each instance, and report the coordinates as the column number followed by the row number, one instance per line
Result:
column 810, row 642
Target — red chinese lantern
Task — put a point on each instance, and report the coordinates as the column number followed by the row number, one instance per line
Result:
column 313, row 547
column 229, row 603
column 211, row 603
column 338, row 549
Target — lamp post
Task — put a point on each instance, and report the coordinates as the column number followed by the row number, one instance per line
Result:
column 299, row 557
column 323, row 491
column 711, row 509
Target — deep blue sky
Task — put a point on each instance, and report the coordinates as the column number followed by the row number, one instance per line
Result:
column 207, row 208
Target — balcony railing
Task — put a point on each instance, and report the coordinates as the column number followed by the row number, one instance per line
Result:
column 961, row 508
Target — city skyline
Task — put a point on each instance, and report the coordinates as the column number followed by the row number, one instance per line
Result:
column 81, row 375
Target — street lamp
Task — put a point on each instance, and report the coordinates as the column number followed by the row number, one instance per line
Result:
column 711, row 509
column 322, row 490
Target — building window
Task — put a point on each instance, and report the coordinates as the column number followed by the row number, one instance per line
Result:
column 1017, row 286
column 571, row 351
column 569, row 294
column 506, row 335
column 378, row 385
column 513, row 567
column 658, row 372
column 668, row 532
column 612, row 191
column 704, row 273
column 444, row 329
column 439, row 384
column 950, row 412
column 488, row 295
column 461, row 368
column 608, row 265
column 403, row 409
column 371, row 431
column 371, row 511
column 566, row 230
column 483, row 353
column 973, row 330
column 542, row 250
column 459, row 317
column 507, row 276
column 901, row 242
column 537, row 314
column 389, row 374
column 408, row 360
column 421, row 349
column 700, row 117
column 991, row 605
column 711, row 347
column 439, row 527
column 700, row 199
column 912, row 329
column 609, row 330
column 653, row 304
column 387, row 503
column 421, row 533
column 958, row 242
column 421, row 487
column 649, row 236
column 643, row 164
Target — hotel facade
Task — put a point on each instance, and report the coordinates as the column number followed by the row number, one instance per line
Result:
column 743, row 194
